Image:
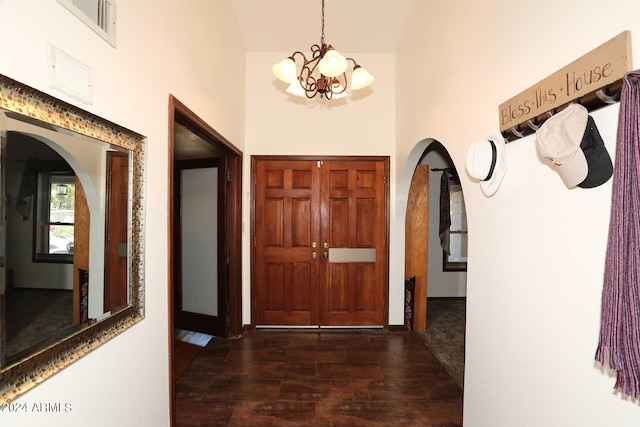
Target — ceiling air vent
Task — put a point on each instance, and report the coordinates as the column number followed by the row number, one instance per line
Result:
column 99, row 15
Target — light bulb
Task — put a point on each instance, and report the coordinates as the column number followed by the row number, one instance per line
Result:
column 332, row 64
column 296, row 90
column 285, row 70
column 338, row 91
column 360, row 78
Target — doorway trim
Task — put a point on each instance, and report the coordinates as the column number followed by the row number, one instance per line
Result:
column 233, row 206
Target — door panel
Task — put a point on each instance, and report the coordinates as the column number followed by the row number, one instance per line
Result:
column 116, row 293
column 286, row 224
column 199, row 240
column 320, row 235
column 81, row 226
column 200, row 263
column 353, row 197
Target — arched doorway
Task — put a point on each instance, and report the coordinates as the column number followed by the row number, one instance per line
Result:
column 437, row 219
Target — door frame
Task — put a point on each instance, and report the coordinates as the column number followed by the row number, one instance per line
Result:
column 256, row 158
column 233, row 209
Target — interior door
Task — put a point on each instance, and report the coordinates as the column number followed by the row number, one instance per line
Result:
column 81, row 228
column 353, row 273
column 199, row 293
column 287, row 243
column 116, row 289
column 320, row 231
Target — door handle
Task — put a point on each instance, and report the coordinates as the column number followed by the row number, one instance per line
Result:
column 314, row 255
column 325, row 255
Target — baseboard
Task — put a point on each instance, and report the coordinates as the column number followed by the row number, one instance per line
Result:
column 447, row 298
column 39, row 289
column 390, row 328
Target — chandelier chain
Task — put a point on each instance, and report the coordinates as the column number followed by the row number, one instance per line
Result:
column 322, row 38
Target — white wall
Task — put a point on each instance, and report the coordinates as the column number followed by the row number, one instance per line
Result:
column 167, row 48
column 278, row 123
column 439, row 283
column 536, row 248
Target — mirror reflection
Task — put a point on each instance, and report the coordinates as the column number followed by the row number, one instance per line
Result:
column 65, row 233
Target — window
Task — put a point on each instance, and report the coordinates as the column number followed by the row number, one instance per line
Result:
column 55, row 217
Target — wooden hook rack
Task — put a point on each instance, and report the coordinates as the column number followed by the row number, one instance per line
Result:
column 592, row 101
column 594, row 80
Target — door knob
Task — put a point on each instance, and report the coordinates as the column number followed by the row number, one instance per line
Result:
column 325, row 245
column 325, row 255
column 314, row 255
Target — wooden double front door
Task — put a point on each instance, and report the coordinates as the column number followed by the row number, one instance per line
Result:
column 320, row 241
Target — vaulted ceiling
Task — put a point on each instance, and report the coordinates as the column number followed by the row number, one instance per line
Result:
column 358, row 26
column 351, row 26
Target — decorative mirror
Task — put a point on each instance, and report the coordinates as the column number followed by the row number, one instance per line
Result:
column 71, row 234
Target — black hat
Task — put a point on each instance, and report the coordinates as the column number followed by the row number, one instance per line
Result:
column 600, row 166
column 571, row 142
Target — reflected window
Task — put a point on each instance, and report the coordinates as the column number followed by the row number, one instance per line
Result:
column 453, row 222
column 456, row 256
column 55, row 217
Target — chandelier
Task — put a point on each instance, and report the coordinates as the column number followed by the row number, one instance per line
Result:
column 324, row 74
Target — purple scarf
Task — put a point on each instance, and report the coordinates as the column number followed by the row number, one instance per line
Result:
column 619, row 342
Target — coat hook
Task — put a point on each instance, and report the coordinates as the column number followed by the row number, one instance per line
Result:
column 516, row 132
column 602, row 96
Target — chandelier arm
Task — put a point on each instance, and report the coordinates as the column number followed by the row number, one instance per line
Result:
column 297, row 52
column 308, row 83
column 355, row 64
column 310, row 65
column 337, row 80
column 318, row 50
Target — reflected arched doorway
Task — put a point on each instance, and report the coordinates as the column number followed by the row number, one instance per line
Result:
column 435, row 251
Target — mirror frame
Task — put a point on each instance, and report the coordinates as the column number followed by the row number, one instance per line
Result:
column 22, row 376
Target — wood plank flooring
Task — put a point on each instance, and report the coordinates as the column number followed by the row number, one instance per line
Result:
column 184, row 355
column 324, row 378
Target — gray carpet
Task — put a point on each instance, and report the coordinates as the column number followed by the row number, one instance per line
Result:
column 444, row 336
column 34, row 316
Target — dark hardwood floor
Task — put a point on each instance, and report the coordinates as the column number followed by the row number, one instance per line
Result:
column 324, row 378
column 184, row 354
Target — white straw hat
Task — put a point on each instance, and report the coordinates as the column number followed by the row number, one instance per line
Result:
column 486, row 162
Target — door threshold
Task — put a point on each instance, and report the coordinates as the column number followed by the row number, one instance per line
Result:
column 315, row 327
column 368, row 328
column 286, row 327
